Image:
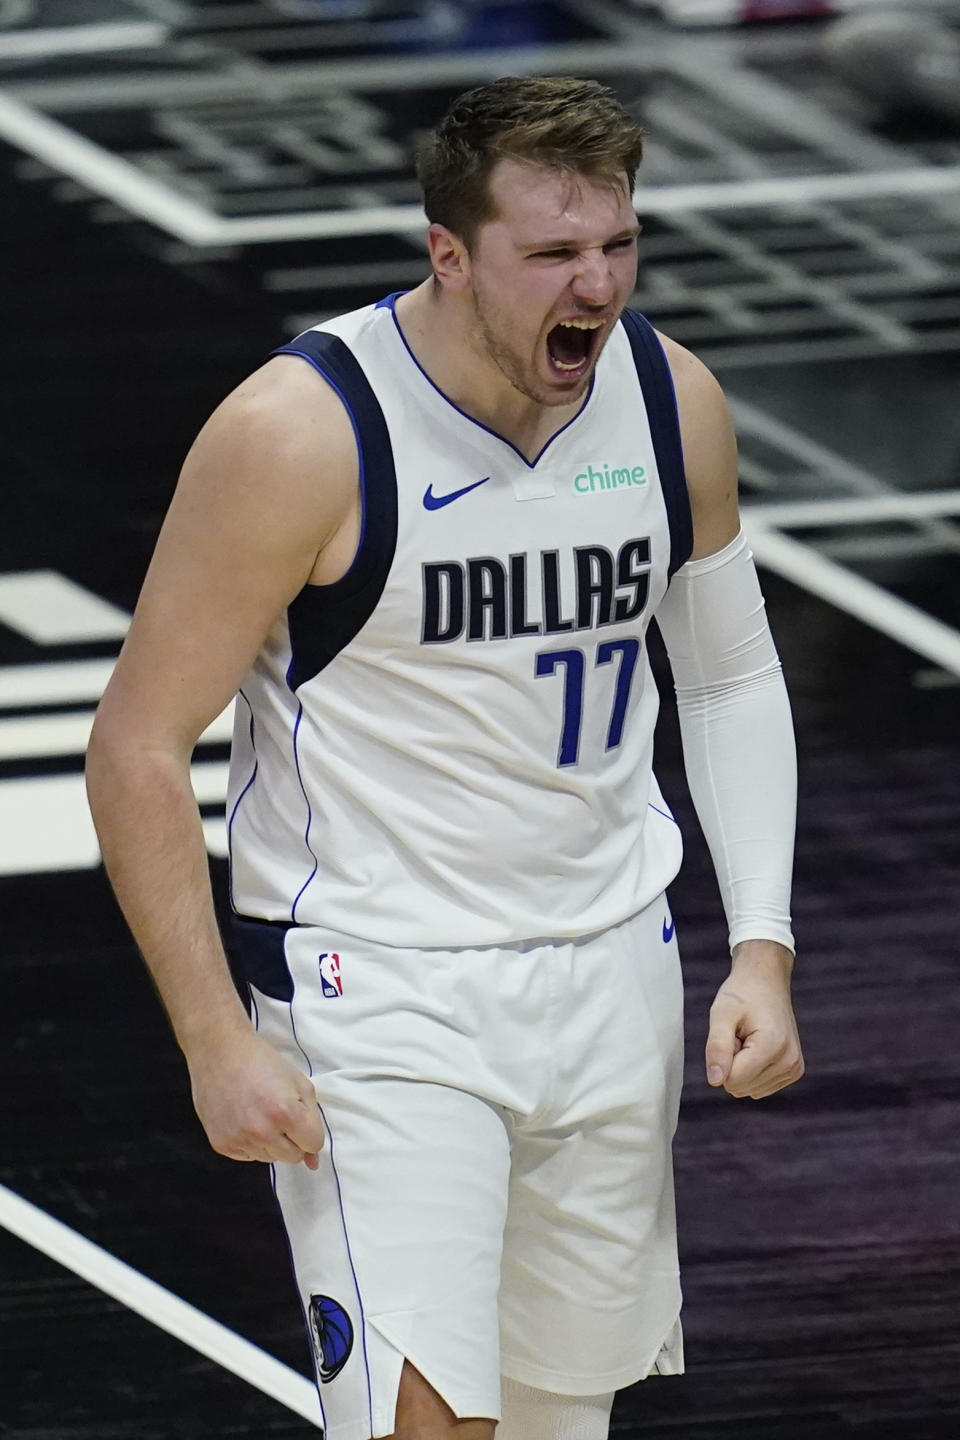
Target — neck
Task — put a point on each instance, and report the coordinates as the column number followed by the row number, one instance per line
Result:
column 442, row 336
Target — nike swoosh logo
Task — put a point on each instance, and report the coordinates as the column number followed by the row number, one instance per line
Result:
column 668, row 930
column 437, row 502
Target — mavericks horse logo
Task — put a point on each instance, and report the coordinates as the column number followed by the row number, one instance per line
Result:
column 332, row 1335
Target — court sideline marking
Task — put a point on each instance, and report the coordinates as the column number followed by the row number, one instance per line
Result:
column 898, row 619
column 159, row 1306
column 90, row 39
column 143, row 195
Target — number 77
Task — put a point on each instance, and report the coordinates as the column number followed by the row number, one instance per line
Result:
column 574, row 669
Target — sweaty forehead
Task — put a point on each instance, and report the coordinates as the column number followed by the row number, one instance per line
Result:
column 534, row 202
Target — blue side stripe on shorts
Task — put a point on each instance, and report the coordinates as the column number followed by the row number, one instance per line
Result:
column 343, row 1220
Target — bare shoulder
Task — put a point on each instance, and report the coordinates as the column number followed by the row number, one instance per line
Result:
column 281, row 431
column 709, row 448
column 701, row 402
column 267, row 494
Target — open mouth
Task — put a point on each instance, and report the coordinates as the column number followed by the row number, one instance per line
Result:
column 572, row 344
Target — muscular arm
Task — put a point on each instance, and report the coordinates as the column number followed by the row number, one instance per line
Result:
column 255, row 515
column 738, row 747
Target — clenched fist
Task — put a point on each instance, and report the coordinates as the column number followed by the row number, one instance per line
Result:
column 253, row 1104
column 753, row 1049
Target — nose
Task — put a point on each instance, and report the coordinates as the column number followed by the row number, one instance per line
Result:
column 593, row 282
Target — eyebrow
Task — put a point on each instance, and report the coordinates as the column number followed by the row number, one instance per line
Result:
column 568, row 244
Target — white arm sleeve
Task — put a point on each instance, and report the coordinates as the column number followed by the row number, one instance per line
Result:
column 737, row 734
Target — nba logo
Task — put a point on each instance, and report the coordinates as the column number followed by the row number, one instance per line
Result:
column 330, row 976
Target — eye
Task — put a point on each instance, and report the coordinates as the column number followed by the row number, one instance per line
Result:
column 624, row 244
column 552, row 254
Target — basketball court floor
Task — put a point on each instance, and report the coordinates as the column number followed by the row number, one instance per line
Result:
column 185, row 184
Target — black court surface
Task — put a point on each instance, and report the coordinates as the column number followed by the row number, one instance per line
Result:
column 184, row 185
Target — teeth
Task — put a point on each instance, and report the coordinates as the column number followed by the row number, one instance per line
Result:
column 581, row 324
column 561, row 366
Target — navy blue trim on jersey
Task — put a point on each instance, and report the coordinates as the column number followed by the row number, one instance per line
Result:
column 258, row 954
column 656, row 382
column 323, row 619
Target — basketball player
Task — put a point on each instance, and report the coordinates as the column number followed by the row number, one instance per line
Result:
column 424, row 543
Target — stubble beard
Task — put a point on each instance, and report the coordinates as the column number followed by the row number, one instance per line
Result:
column 492, row 347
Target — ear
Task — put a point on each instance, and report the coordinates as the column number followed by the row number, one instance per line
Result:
column 449, row 258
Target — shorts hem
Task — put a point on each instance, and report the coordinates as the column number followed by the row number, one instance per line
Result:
column 600, row 1383
column 567, row 1384
column 383, row 1424
column 482, row 1410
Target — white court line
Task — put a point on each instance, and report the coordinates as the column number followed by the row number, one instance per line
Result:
column 25, row 736
column 47, row 826
column 54, row 682
column 798, row 190
column 860, row 598
column 105, row 174
column 52, row 610
column 854, row 509
column 158, row 1305
column 731, row 12
column 215, row 836
column 655, row 200
column 319, row 225
column 147, row 197
column 82, row 40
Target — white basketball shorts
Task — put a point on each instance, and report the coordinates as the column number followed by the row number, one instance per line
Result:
column 495, row 1195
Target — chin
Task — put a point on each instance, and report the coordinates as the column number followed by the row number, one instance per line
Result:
column 549, row 392
column 568, row 396
column 564, row 393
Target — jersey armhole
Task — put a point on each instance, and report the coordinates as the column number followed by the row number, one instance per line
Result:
column 656, row 382
column 323, row 619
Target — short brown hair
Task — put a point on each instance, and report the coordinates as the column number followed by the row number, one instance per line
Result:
column 570, row 125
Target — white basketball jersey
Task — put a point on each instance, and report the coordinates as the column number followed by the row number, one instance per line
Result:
column 452, row 745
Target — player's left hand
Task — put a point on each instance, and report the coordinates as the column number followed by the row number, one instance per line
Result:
column 753, row 1049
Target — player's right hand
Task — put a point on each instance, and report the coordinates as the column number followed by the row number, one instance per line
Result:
column 255, row 1105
